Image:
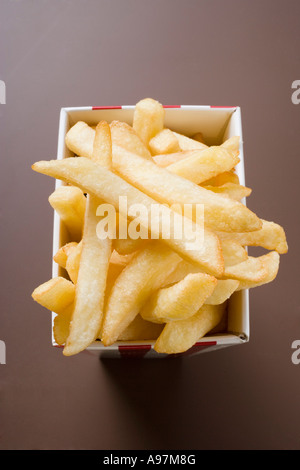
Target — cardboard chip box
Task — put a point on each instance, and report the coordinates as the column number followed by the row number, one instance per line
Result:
column 216, row 124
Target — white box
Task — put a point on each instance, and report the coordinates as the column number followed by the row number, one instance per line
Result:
column 216, row 124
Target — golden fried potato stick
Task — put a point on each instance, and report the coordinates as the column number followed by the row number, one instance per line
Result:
column 222, row 178
column 233, row 252
column 187, row 143
column 102, row 146
column 164, row 160
column 270, row 262
column 62, row 254
column 271, row 236
column 69, row 202
column 179, row 336
column 73, row 261
column 61, row 328
column 143, row 275
column 232, row 190
column 56, row 295
column 128, row 245
column 179, row 301
column 171, row 189
column 104, row 184
column 90, row 286
column 141, row 330
column 124, row 135
column 148, row 119
column 223, row 290
column 232, row 144
column 253, row 270
column 80, row 139
column 202, row 165
column 94, row 261
column 163, row 143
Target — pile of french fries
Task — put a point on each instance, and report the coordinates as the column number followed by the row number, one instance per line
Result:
column 157, row 287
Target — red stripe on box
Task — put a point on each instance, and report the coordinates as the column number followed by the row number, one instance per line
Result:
column 172, row 106
column 138, row 350
column 94, row 108
column 222, row 107
column 198, row 347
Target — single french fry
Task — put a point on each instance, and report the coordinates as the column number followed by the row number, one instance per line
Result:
column 128, row 245
column 187, row 143
column 222, row 178
column 165, row 160
column 56, row 295
column 80, row 139
column 232, row 190
column 179, row 301
column 253, row 270
column 95, row 255
column 148, row 119
column 179, row 336
column 90, row 286
column 169, row 188
column 143, row 275
column 61, row 328
column 124, row 135
column 271, row 263
column 102, row 145
column 119, row 259
column 141, row 330
column 104, row 184
column 69, row 202
column 271, row 236
column 204, row 164
column 232, row 144
column 73, row 261
column 164, row 142
column 62, row 254
column 223, row 290
column 233, row 252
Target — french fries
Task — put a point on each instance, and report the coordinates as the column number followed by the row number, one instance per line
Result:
column 56, row 295
column 202, row 165
column 179, row 336
column 125, row 136
column 69, row 202
column 231, row 190
column 95, row 254
column 164, row 142
column 62, row 254
column 169, row 188
column 142, row 275
column 148, row 119
column 186, row 143
column 271, row 236
column 143, row 282
column 179, row 301
column 106, row 185
column 80, row 139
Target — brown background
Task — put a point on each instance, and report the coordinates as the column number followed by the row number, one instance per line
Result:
column 96, row 52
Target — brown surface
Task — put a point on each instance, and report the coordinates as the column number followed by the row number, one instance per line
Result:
column 74, row 53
